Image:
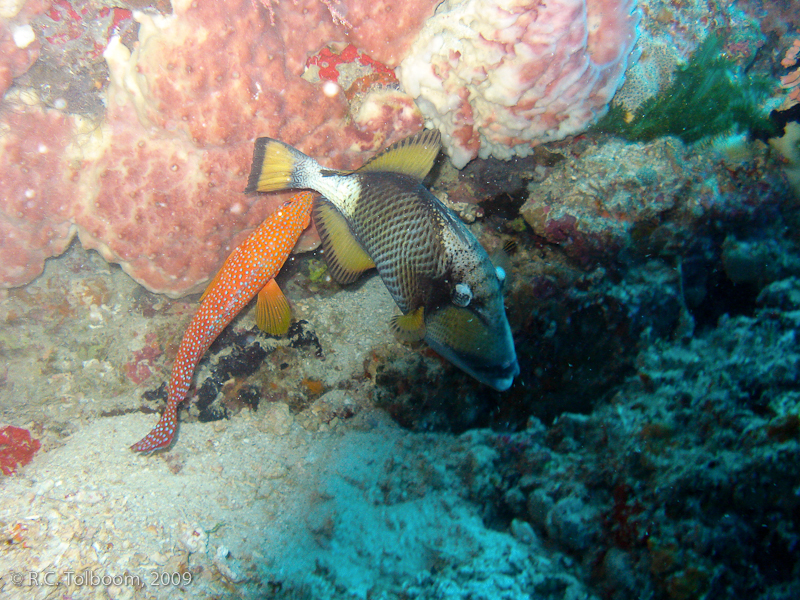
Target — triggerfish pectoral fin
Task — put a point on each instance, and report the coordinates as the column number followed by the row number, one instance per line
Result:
column 250, row 269
column 410, row 327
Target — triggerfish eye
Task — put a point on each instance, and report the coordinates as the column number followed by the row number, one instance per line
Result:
column 462, row 295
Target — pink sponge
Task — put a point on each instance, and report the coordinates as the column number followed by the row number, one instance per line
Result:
column 19, row 49
column 38, row 188
column 156, row 184
column 498, row 77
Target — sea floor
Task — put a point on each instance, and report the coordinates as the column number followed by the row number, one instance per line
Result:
column 315, row 492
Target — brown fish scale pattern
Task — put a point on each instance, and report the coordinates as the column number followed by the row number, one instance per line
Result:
column 402, row 235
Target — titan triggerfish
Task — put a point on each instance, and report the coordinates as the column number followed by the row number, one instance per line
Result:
column 382, row 216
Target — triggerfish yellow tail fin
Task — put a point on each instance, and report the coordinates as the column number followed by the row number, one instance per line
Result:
column 249, row 270
column 274, row 164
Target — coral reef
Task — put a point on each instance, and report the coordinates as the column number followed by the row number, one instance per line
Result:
column 650, row 75
column 615, row 201
column 671, row 34
column 649, row 450
column 375, row 102
column 153, row 181
column 777, row 16
column 683, row 483
column 497, row 78
column 38, row 189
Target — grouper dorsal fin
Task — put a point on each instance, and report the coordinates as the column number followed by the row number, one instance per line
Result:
column 346, row 259
column 411, row 156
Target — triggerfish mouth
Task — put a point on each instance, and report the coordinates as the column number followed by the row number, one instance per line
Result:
column 382, row 216
column 249, row 270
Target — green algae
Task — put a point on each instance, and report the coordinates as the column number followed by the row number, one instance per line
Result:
column 316, row 269
column 710, row 96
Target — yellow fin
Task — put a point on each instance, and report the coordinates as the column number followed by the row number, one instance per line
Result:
column 410, row 327
column 345, row 257
column 411, row 156
column 273, row 314
column 273, row 166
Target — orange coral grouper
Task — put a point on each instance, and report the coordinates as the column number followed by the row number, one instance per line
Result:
column 251, row 267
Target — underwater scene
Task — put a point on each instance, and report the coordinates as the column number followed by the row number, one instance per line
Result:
column 400, row 299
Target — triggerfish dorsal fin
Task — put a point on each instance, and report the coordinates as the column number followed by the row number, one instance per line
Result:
column 273, row 314
column 410, row 327
column 346, row 259
column 412, row 156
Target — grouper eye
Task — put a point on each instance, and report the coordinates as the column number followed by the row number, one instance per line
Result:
column 462, row 295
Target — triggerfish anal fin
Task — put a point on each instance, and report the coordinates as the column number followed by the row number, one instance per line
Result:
column 249, row 269
column 346, row 259
column 273, row 314
column 412, row 156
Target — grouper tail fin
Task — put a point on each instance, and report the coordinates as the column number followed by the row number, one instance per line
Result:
column 276, row 166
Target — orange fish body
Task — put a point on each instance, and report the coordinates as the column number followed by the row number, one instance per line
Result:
column 249, row 270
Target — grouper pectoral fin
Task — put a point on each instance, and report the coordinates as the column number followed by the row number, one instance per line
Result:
column 273, row 314
column 410, row 327
column 411, row 156
column 346, row 259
